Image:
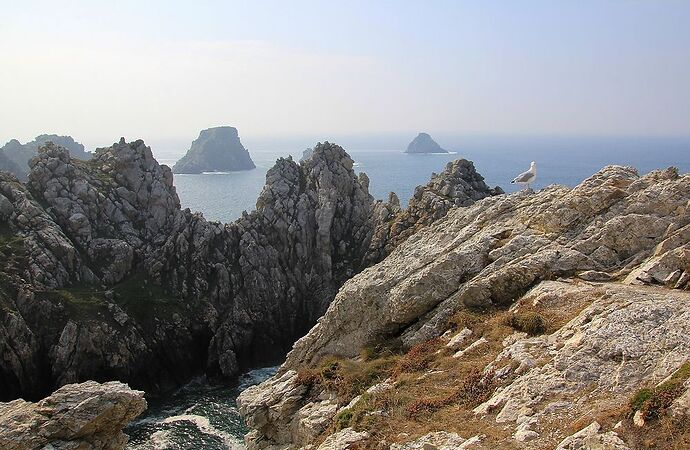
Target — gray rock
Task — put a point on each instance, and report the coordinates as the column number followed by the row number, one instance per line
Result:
column 87, row 415
column 215, row 150
column 423, row 143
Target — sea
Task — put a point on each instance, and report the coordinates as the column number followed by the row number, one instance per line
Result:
column 203, row 415
column 561, row 160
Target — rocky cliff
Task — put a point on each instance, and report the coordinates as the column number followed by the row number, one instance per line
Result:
column 20, row 154
column 424, row 143
column 215, row 150
column 521, row 321
column 76, row 416
column 106, row 277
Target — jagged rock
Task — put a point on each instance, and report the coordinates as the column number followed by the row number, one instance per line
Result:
column 215, row 150
column 117, row 279
column 493, row 252
column 18, row 156
column 274, row 404
column 423, row 143
column 77, row 416
column 343, row 439
column 591, row 438
column 458, row 185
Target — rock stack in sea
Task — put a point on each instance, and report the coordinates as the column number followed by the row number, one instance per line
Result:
column 524, row 321
column 215, row 150
column 106, row 276
column 424, row 143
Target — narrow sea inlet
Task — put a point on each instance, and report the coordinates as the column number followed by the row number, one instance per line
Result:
column 200, row 415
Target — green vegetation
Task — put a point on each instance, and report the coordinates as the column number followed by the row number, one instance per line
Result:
column 653, row 402
column 348, row 378
column 138, row 296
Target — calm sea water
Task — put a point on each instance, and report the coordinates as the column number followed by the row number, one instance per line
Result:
column 564, row 161
column 198, row 416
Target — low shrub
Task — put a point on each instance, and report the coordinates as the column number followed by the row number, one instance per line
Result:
column 419, row 357
column 531, row 323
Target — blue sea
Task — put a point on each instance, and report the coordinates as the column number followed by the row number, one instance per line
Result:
column 562, row 160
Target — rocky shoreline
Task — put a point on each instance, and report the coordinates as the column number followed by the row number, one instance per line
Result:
column 106, row 277
column 523, row 321
column 556, row 319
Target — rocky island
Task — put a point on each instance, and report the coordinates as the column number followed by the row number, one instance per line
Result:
column 15, row 156
column 215, row 150
column 424, row 143
column 471, row 319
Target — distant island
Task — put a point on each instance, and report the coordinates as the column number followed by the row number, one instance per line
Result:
column 15, row 156
column 424, row 143
column 215, row 150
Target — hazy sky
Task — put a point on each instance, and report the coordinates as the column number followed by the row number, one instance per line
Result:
column 166, row 69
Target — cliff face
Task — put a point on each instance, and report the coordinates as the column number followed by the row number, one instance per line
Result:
column 19, row 155
column 428, row 335
column 107, row 278
column 215, row 150
column 424, row 143
column 77, row 416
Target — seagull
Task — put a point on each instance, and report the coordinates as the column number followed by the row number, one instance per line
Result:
column 527, row 177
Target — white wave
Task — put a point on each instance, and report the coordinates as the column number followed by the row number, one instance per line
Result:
column 216, row 173
column 204, row 425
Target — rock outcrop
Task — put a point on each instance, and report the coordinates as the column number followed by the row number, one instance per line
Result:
column 20, row 154
column 459, row 185
column 76, row 416
column 423, row 143
column 613, row 338
column 108, row 278
column 215, row 150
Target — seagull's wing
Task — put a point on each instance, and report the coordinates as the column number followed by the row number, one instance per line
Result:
column 524, row 177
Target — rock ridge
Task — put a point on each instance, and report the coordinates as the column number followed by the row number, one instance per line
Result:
column 108, row 278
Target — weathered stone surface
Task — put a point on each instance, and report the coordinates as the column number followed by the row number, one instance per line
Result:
column 492, row 252
column 215, row 150
column 438, row 440
column 458, row 185
column 77, row 416
column 591, row 438
column 503, row 248
column 115, row 278
column 343, row 439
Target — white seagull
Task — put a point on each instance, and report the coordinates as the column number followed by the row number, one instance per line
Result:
column 527, row 177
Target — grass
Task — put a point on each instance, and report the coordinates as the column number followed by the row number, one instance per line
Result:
column 529, row 322
column 348, row 378
column 138, row 296
column 660, row 430
column 653, row 402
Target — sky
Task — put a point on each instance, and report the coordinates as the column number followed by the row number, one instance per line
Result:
column 164, row 70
